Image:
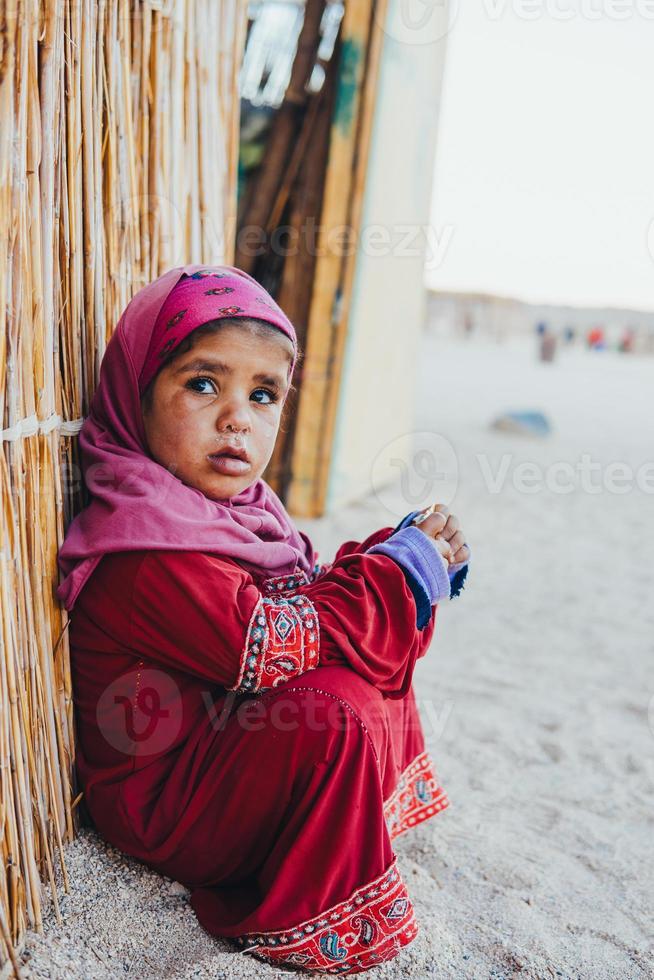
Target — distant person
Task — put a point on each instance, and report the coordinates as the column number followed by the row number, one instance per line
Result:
column 627, row 341
column 541, row 328
column 569, row 335
column 547, row 346
column 595, row 338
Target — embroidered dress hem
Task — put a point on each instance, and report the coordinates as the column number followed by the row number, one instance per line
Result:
column 378, row 919
column 368, row 928
column 416, row 798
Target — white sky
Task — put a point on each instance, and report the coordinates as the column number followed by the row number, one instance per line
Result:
column 545, row 156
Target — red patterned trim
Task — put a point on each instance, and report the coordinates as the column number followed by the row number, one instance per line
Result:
column 366, row 929
column 282, row 642
column 416, row 797
column 283, row 584
column 320, row 570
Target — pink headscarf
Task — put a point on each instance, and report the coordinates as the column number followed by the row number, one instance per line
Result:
column 135, row 502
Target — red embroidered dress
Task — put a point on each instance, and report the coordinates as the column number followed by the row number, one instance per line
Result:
column 259, row 742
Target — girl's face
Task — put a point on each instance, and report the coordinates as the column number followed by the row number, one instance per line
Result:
column 227, row 391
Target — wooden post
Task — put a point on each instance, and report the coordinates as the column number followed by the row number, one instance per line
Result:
column 268, row 181
column 348, row 157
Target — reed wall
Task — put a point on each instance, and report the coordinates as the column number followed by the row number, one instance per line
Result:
column 118, row 156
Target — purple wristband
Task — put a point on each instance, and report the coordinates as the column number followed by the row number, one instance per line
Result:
column 414, row 551
column 452, row 570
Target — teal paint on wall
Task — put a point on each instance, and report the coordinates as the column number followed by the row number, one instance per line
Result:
column 405, row 115
column 351, row 56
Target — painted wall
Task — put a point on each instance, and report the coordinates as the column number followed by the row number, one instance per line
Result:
column 388, row 304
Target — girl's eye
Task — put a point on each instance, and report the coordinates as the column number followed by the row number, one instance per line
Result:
column 195, row 384
column 198, row 381
column 271, row 396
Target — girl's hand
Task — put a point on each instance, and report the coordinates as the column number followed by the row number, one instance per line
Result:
column 445, row 531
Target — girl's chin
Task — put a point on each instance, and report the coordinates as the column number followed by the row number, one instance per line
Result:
column 220, row 486
column 224, row 487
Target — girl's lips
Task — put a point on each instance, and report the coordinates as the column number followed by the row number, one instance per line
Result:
column 229, row 465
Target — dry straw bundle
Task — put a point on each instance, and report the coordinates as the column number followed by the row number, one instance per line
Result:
column 118, row 153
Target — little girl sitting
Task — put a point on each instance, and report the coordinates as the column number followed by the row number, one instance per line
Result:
column 246, row 722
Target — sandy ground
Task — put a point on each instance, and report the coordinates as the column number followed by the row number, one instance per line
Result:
column 535, row 697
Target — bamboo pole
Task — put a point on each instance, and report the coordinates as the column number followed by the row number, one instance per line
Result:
column 363, row 141
column 266, row 185
column 361, row 39
column 294, row 294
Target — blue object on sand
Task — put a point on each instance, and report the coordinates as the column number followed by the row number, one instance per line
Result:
column 523, row 423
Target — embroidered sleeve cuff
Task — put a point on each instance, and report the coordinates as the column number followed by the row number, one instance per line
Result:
column 282, row 642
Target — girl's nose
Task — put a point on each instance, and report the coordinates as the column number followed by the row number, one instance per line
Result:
column 235, row 416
